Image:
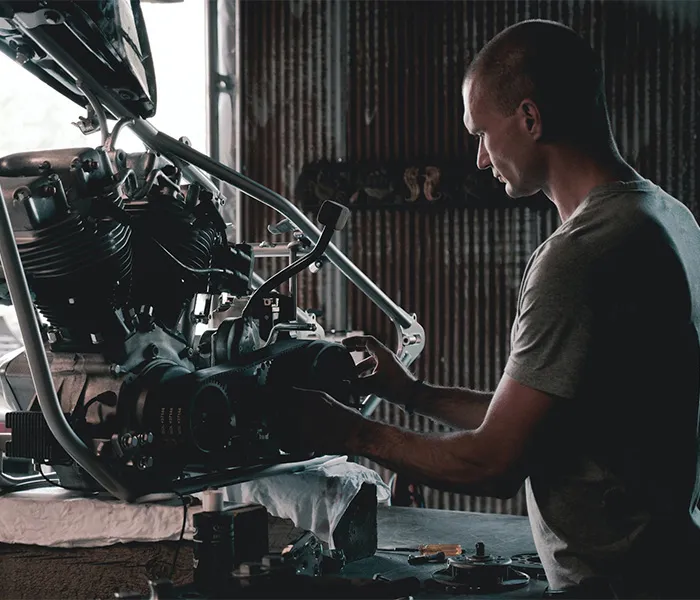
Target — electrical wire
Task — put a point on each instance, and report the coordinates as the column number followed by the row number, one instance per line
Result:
column 125, row 219
column 185, row 504
column 59, row 485
column 190, row 269
column 22, row 487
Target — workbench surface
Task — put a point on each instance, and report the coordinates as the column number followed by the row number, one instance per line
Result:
column 38, row 572
column 503, row 535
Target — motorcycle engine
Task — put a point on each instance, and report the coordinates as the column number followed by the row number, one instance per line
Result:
column 130, row 266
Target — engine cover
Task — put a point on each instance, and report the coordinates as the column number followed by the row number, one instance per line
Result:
column 165, row 419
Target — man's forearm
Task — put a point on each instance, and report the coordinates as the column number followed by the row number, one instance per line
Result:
column 456, row 407
column 456, row 462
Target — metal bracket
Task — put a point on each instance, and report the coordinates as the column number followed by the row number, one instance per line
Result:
column 89, row 124
column 411, row 344
column 224, row 83
column 284, row 226
column 38, row 18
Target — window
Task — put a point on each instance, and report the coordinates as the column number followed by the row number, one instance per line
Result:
column 35, row 117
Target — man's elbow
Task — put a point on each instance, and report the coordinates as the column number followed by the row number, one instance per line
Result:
column 507, row 490
column 504, row 481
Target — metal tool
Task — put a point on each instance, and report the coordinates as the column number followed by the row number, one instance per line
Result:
column 448, row 549
column 422, row 559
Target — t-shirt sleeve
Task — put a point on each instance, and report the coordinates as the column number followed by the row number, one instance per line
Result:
column 552, row 332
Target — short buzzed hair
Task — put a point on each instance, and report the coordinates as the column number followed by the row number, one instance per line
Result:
column 556, row 68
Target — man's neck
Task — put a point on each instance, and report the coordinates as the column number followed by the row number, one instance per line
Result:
column 573, row 174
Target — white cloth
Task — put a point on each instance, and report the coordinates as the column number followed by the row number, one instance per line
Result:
column 315, row 499
column 58, row 518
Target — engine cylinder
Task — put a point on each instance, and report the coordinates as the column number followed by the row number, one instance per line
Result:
column 159, row 281
column 78, row 266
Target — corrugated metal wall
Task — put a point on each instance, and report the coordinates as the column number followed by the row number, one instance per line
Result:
column 293, row 112
column 380, row 81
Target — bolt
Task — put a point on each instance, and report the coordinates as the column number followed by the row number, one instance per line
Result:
column 71, row 300
column 145, row 462
column 21, row 194
column 52, row 337
column 96, row 338
column 115, row 370
column 89, row 165
column 145, row 438
column 316, row 267
column 150, row 352
column 128, row 441
column 380, row 577
column 186, row 353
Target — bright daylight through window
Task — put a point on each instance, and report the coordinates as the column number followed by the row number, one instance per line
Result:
column 36, row 117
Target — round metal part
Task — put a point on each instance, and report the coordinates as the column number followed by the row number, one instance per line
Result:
column 480, row 580
column 462, row 562
column 529, row 563
column 211, row 418
column 479, row 573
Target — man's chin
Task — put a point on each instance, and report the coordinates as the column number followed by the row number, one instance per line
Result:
column 513, row 192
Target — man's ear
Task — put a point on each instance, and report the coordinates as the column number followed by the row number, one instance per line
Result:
column 533, row 120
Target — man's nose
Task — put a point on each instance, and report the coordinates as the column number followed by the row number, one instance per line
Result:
column 483, row 160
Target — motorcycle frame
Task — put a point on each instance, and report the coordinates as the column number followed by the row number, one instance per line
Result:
column 194, row 164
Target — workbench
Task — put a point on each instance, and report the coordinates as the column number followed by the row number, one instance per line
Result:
column 504, row 535
column 34, row 571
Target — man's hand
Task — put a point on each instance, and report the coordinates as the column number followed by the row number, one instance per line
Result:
column 310, row 420
column 382, row 374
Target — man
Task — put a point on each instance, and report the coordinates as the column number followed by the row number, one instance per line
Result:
column 597, row 408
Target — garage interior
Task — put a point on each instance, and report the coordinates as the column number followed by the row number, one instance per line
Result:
column 356, row 102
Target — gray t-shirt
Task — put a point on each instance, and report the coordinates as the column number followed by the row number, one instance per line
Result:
column 608, row 322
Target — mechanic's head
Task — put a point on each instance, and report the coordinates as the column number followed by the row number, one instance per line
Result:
column 534, row 86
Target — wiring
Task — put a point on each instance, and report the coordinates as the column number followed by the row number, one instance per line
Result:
column 190, row 269
column 185, row 503
column 124, row 218
column 58, row 485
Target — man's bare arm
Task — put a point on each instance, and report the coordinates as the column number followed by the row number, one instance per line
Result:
column 386, row 376
column 454, row 462
column 489, row 460
column 456, row 407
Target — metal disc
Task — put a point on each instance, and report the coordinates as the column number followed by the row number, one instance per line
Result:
column 530, row 563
